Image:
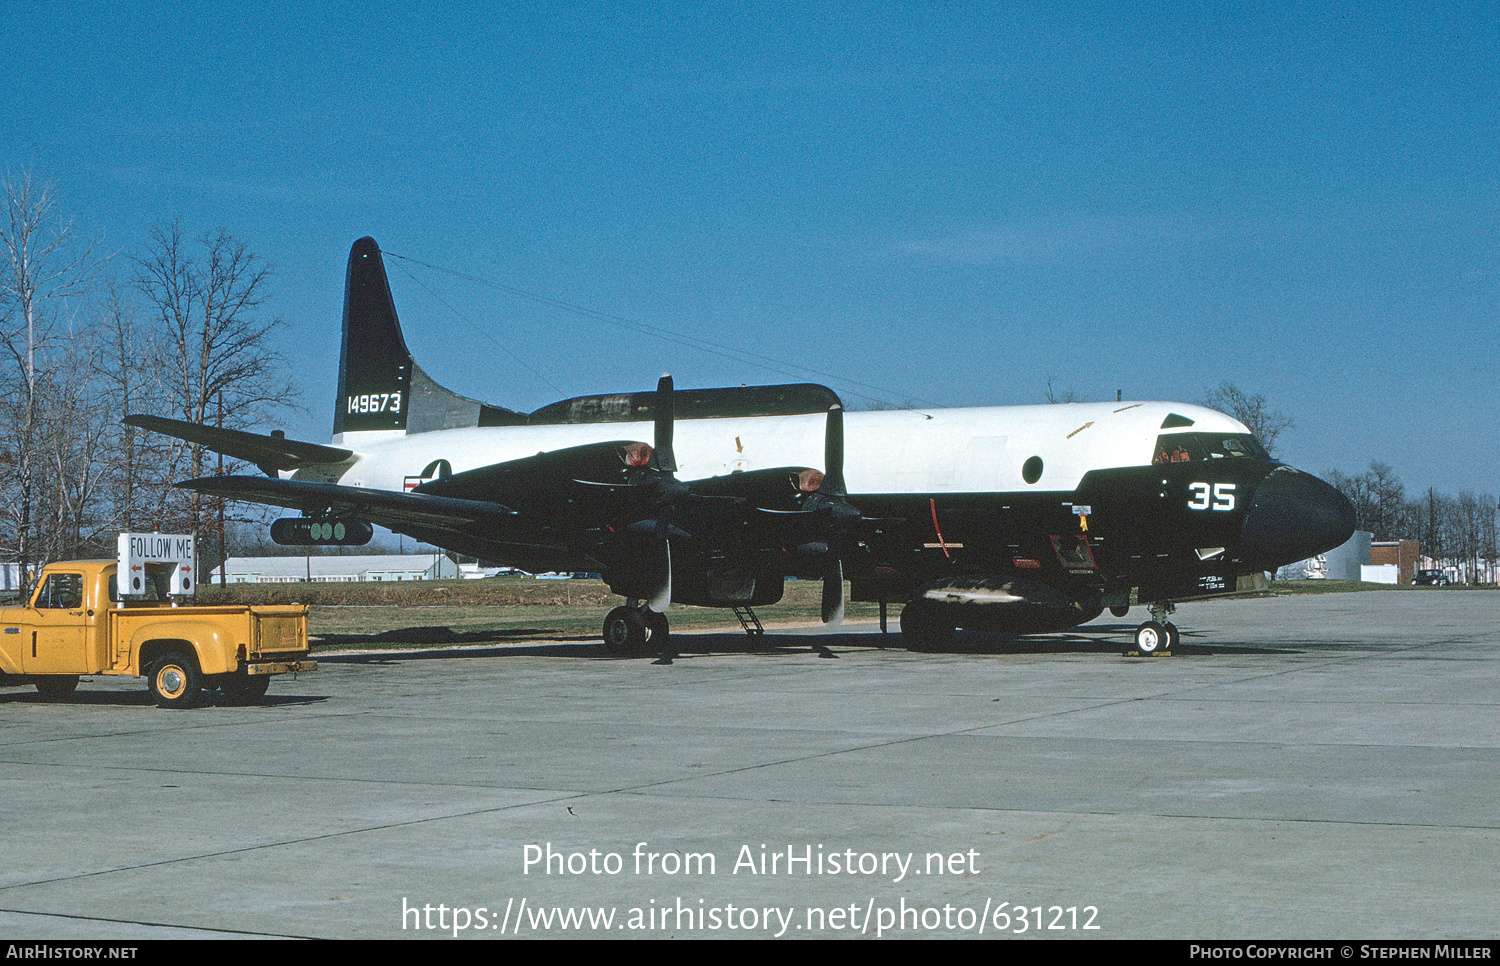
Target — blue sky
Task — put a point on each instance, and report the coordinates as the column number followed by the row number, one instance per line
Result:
column 950, row 201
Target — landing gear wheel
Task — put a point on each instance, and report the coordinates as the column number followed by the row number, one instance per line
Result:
column 240, row 688
column 625, row 630
column 1174, row 636
column 55, row 687
column 175, row 681
column 1151, row 637
column 920, row 627
column 657, row 629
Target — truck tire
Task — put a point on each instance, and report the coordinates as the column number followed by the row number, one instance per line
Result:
column 175, row 681
column 55, row 687
column 240, row 688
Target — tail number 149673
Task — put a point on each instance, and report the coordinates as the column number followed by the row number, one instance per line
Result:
column 376, row 402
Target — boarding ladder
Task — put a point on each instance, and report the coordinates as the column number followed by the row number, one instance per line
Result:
column 749, row 621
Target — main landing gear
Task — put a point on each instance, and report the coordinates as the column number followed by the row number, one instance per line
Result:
column 634, row 628
column 925, row 626
column 1158, row 634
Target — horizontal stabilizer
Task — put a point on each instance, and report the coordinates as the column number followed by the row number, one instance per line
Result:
column 270, row 453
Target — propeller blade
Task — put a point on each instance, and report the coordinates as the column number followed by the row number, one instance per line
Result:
column 662, row 596
column 670, row 491
column 833, row 454
column 663, row 459
column 833, row 591
column 841, row 516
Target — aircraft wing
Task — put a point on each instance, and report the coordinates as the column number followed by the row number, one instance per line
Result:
column 395, row 511
column 270, row 453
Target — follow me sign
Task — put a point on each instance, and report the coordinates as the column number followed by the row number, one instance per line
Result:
column 166, row 554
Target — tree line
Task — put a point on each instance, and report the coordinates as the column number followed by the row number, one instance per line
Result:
column 1457, row 533
column 176, row 329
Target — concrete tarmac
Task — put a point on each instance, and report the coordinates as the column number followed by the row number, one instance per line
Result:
column 1304, row 767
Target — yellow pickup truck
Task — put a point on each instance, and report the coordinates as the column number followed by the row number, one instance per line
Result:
column 77, row 623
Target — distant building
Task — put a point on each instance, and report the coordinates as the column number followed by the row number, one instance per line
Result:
column 1402, row 554
column 352, row 569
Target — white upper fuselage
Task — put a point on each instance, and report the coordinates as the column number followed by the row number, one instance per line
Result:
column 933, row 451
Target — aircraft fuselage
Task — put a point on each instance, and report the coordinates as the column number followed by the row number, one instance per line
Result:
column 1089, row 501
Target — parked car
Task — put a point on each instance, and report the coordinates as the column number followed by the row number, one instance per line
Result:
column 1433, row 578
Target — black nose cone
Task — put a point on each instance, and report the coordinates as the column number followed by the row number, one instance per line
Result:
column 1293, row 516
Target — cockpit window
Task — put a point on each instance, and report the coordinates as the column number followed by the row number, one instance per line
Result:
column 1190, row 447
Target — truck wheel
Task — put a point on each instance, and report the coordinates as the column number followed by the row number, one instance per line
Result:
column 55, row 687
column 240, row 688
column 175, row 682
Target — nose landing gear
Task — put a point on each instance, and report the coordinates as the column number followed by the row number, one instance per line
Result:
column 1158, row 635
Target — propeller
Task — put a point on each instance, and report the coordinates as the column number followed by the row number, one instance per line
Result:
column 669, row 491
column 839, row 516
column 646, row 496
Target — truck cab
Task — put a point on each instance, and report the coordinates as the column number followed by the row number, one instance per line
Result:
column 76, row 623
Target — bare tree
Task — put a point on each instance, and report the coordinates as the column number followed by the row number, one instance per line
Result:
column 1379, row 499
column 1264, row 423
column 75, row 418
column 1068, row 395
column 43, row 269
column 207, row 297
column 140, row 467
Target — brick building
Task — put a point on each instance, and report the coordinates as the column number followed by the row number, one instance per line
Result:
column 1402, row 554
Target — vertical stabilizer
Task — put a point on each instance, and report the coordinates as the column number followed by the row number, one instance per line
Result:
column 381, row 389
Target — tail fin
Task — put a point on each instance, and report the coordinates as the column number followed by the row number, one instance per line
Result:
column 381, row 389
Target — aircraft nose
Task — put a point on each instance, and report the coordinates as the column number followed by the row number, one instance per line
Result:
column 1293, row 516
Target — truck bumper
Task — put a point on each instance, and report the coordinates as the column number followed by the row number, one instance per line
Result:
column 280, row 667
